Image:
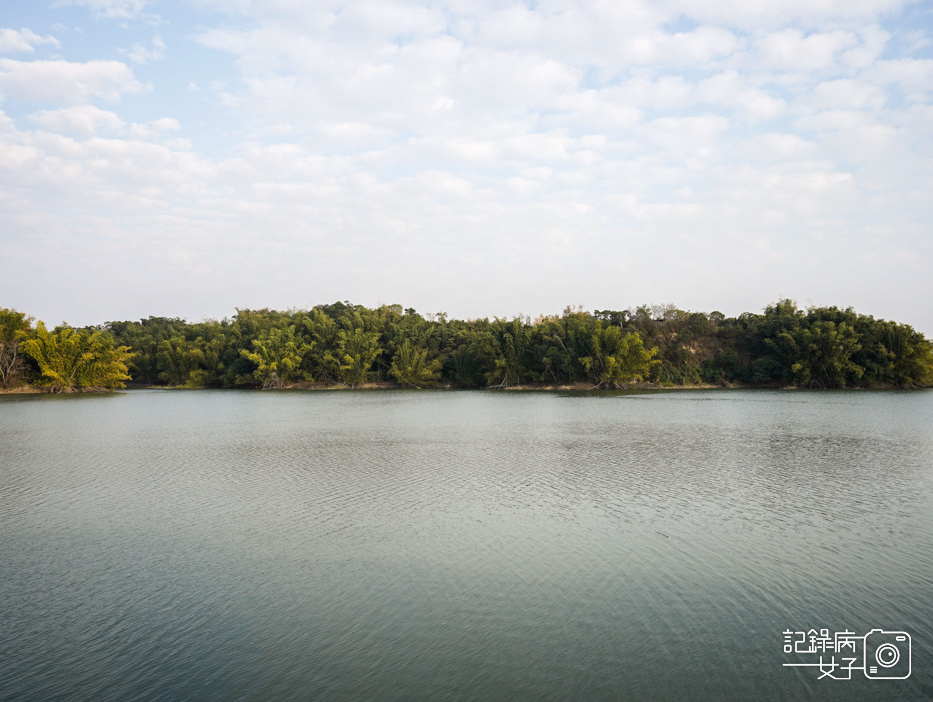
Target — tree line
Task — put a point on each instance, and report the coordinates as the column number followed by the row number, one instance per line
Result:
column 347, row 345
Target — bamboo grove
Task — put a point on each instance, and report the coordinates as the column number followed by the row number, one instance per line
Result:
column 347, row 345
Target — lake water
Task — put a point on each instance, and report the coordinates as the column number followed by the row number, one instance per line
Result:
column 390, row 545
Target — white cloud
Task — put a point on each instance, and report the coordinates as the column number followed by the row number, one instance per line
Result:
column 113, row 9
column 65, row 82
column 142, row 54
column 845, row 93
column 84, row 120
column 154, row 130
column 912, row 77
column 784, row 148
column 12, row 41
column 873, row 41
column 731, row 90
column 88, row 121
column 790, row 49
column 685, row 138
column 607, row 111
column 808, row 13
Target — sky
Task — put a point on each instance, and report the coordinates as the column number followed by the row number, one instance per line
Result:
column 186, row 159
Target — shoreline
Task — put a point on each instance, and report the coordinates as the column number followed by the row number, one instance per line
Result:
column 525, row 387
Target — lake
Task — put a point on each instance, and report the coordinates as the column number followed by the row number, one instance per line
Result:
column 425, row 545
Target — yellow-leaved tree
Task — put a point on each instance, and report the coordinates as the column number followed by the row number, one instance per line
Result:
column 278, row 354
column 412, row 367
column 71, row 360
column 356, row 352
column 615, row 359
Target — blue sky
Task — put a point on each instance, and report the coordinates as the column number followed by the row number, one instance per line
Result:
column 478, row 158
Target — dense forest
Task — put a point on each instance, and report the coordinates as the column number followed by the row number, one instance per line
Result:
column 347, row 345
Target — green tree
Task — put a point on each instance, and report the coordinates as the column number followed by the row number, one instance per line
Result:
column 511, row 341
column 12, row 324
column 322, row 332
column 278, row 354
column 354, row 356
column 71, row 360
column 820, row 356
column 181, row 360
column 412, row 367
column 616, row 359
column 912, row 356
column 819, row 347
column 463, row 365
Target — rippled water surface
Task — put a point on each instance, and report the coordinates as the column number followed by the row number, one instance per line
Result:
column 222, row 545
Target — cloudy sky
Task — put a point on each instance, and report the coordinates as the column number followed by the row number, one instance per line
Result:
column 480, row 158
